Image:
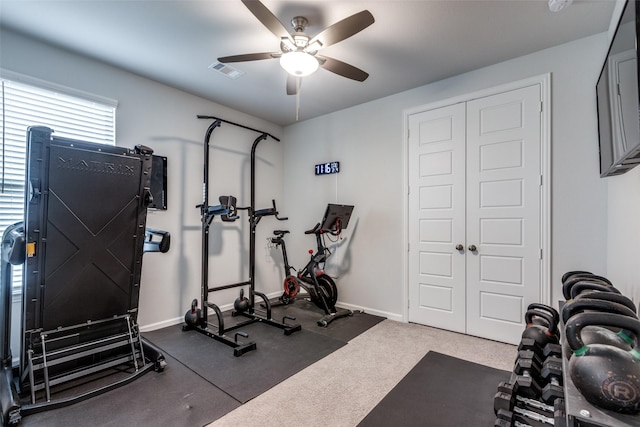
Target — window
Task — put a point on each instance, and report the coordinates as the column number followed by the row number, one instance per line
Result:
column 27, row 104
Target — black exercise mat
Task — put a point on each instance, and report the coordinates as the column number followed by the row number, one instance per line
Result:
column 307, row 314
column 174, row 397
column 440, row 391
column 276, row 358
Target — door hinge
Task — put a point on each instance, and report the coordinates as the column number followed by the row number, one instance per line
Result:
column 541, row 107
column 541, row 177
column 540, row 253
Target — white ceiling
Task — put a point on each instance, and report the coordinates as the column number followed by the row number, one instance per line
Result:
column 411, row 43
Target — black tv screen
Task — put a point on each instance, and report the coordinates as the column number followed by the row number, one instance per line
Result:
column 159, row 183
column 618, row 99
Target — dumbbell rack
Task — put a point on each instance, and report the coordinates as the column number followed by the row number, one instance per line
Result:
column 569, row 410
column 581, row 413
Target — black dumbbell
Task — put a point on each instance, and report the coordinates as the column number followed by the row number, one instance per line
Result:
column 551, row 349
column 505, row 404
column 508, row 397
column 526, row 375
column 538, row 380
column 551, row 377
column 522, row 417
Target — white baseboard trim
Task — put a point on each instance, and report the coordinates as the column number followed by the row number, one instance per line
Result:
column 163, row 324
column 391, row 316
column 177, row 320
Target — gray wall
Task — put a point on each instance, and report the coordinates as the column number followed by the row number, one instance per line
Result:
column 623, row 229
column 164, row 119
column 368, row 141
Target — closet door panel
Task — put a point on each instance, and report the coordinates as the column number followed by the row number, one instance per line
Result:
column 503, row 212
column 436, row 218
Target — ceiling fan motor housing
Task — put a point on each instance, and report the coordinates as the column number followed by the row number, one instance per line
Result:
column 299, row 24
column 303, row 48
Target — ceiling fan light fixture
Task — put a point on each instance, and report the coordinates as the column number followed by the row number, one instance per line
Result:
column 299, row 64
column 288, row 44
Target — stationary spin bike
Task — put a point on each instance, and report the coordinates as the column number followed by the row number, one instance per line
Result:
column 321, row 288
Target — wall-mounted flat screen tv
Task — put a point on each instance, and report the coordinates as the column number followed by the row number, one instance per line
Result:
column 159, row 183
column 617, row 98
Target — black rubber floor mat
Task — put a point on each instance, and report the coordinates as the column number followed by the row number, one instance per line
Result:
column 174, row 397
column 440, row 391
column 307, row 314
column 276, row 358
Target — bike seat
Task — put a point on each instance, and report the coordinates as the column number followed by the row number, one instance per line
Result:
column 280, row 233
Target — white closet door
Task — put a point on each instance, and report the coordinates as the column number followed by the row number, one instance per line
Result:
column 503, row 211
column 437, row 217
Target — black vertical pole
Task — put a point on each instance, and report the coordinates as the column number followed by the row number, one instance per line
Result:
column 253, row 221
column 13, row 250
column 204, row 213
column 5, row 319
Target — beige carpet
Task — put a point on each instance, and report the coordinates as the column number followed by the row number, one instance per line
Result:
column 342, row 388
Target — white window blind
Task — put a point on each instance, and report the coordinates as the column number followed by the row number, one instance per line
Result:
column 25, row 105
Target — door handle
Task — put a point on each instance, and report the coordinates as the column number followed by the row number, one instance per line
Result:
column 459, row 247
column 473, row 248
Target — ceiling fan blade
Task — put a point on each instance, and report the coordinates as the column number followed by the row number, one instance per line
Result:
column 293, row 84
column 249, row 57
column 342, row 68
column 267, row 18
column 344, row 29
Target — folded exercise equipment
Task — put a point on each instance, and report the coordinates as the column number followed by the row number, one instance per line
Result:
column 81, row 244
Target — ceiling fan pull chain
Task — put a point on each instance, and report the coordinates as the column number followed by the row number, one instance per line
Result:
column 297, row 98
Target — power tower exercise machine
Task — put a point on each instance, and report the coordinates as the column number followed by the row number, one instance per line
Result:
column 198, row 318
column 81, row 244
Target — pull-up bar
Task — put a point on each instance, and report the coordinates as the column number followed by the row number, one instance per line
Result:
column 200, row 116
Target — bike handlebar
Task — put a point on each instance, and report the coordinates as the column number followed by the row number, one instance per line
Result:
column 314, row 230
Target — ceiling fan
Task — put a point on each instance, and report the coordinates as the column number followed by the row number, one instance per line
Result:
column 299, row 52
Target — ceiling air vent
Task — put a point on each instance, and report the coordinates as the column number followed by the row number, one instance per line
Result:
column 225, row 69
